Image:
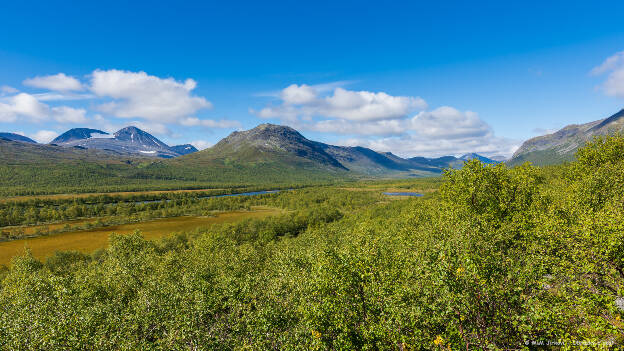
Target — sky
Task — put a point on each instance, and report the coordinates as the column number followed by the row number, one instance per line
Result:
column 411, row 77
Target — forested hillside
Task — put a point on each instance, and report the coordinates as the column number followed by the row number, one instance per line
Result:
column 497, row 258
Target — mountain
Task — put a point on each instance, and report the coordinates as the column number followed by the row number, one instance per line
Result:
column 561, row 146
column 77, row 134
column 472, row 156
column 16, row 137
column 129, row 140
column 366, row 161
column 184, row 149
column 272, row 146
column 269, row 141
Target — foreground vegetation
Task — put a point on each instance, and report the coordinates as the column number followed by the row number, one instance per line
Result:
column 498, row 258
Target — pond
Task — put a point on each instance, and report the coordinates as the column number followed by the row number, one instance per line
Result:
column 406, row 193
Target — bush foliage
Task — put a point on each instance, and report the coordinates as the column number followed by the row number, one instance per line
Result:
column 498, row 258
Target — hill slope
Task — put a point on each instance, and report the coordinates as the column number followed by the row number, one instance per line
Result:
column 560, row 146
column 16, row 137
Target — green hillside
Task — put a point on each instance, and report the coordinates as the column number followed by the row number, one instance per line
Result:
column 562, row 145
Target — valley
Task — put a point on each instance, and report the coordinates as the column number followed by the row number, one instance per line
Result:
column 321, row 175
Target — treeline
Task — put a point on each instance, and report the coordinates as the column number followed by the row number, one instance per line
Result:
column 89, row 176
column 499, row 259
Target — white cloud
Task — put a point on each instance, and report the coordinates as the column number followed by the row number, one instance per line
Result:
column 609, row 64
column 201, row 144
column 152, row 128
column 65, row 96
column 65, row 114
column 299, row 94
column 614, row 85
column 28, row 106
column 23, row 105
column 56, row 82
column 5, row 89
column 340, row 126
column 44, row 136
column 144, row 96
column 411, row 145
column 304, row 101
column 450, row 123
column 367, row 106
column 194, row 122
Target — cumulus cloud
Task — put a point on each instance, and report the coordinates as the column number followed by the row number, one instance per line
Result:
column 450, row 123
column 139, row 95
column 23, row 105
column 304, row 101
column 44, row 136
column 614, row 66
column 299, row 94
column 65, row 114
column 209, row 123
column 201, row 144
column 56, row 82
column 27, row 106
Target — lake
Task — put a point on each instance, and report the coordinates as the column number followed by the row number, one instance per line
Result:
column 406, row 193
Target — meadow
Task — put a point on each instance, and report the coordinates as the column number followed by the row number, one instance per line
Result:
column 89, row 240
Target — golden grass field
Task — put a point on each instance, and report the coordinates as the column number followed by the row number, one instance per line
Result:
column 93, row 239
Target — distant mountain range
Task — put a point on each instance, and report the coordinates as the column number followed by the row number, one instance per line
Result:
column 267, row 145
column 279, row 148
column 274, row 143
column 561, row 145
column 129, row 140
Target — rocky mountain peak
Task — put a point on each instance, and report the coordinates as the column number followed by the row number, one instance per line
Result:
column 137, row 136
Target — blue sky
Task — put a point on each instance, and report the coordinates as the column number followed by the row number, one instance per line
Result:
column 415, row 78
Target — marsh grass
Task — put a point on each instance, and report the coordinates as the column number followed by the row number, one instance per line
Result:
column 92, row 239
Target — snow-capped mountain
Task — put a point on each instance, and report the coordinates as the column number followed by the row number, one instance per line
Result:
column 129, row 140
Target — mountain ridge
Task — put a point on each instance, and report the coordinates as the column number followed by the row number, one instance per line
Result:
column 285, row 144
column 561, row 145
column 17, row 137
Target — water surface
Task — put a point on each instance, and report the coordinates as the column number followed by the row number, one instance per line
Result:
column 406, row 193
